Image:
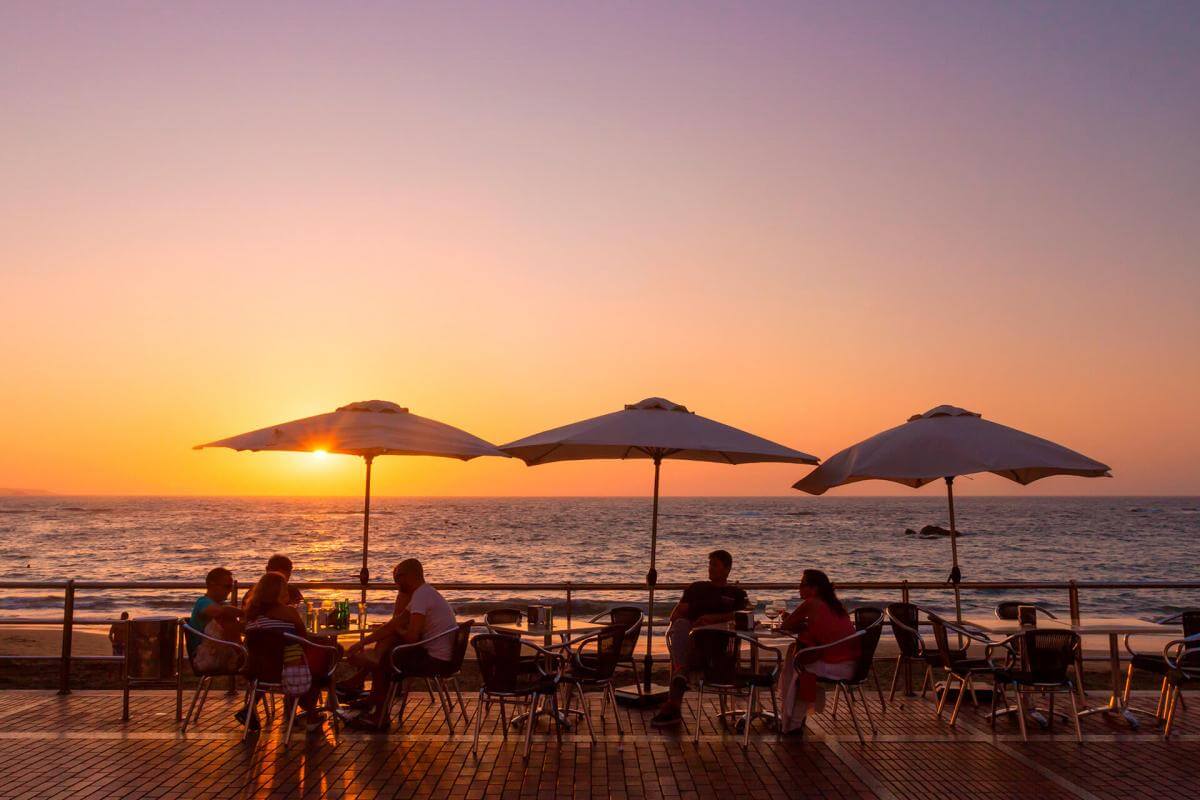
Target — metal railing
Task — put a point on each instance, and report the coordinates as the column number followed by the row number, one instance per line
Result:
column 570, row 590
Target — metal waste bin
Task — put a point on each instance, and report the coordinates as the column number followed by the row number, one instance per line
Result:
column 153, row 656
column 150, row 648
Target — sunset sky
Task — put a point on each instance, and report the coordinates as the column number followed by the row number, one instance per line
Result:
column 808, row 221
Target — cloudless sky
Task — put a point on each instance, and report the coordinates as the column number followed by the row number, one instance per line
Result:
column 809, row 221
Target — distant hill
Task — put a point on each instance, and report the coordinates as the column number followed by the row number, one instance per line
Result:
column 24, row 492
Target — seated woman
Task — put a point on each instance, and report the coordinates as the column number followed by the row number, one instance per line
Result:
column 269, row 610
column 820, row 619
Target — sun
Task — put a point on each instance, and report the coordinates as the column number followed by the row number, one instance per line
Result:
column 320, row 453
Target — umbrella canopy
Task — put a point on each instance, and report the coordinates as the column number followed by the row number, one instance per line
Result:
column 653, row 429
column 946, row 442
column 367, row 429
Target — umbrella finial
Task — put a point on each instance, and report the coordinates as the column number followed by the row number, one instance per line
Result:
column 378, row 406
column 944, row 411
column 657, row 403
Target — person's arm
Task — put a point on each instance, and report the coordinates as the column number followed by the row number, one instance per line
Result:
column 714, row 619
column 798, row 619
column 415, row 630
column 679, row 611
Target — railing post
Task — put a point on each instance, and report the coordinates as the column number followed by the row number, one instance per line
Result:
column 908, row 678
column 232, row 689
column 1073, row 593
column 64, row 672
column 569, row 604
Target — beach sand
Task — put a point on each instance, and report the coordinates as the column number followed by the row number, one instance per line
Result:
column 38, row 640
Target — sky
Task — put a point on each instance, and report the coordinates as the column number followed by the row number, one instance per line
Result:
column 810, row 221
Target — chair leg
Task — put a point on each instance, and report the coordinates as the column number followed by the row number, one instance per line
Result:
column 203, row 699
column 750, row 703
column 587, row 714
column 503, row 720
column 963, row 687
column 1075, row 716
column 870, row 720
column 895, row 677
column 699, row 713
column 837, row 698
column 251, row 707
column 854, row 716
column 1128, row 685
column 444, row 697
column 556, row 718
column 1050, row 715
column 974, row 698
column 636, row 680
column 1172, row 699
column 612, row 696
column 927, row 681
column 1021, row 713
column 529, row 726
column 1160, row 711
column 289, row 711
column 775, row 711
column 480, row 713
column 878, row 690
column 195, row 697
column 945, row 694
column 992, row 710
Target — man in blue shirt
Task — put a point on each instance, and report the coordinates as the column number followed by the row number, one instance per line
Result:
column 211, row 605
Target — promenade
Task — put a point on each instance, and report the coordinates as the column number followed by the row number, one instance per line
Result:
column 76, row 747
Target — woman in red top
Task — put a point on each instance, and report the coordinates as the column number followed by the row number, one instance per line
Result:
column 820, row 619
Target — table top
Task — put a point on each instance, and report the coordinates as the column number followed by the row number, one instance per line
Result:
column 524, row 629
column 1091, row 624
column 760, row 632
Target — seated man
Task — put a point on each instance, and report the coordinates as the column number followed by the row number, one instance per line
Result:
column 283, row 565
column 428, row 615
column 211, row 606
column 384, row 638
column 707, row 602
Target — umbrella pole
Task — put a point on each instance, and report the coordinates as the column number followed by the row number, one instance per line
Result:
column 651, row 580
column 955, row 574
column 364, row 575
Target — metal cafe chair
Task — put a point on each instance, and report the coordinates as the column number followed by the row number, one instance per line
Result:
column 591, row 664
column 442, row 678
column 864, row 618
column 958, row 667
column 1046, row 655
column 721, row 671
column 153, row 658
column 868, row 638
column 208, row 676
column 905, row 619
column 1156, row 664
column 504, row 679
column 502, row 616
column 632, row 618
column 264, row 670
column 1010, row 609
column 1183, row 659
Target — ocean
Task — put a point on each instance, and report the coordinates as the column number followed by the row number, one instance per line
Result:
column 598, row 539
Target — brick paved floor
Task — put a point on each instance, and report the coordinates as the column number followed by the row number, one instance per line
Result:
column 77, row 747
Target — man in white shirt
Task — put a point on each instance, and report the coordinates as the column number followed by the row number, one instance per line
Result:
column 426, row 615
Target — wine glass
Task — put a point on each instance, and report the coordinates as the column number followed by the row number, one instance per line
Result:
column 772, row 612
column 780, row 611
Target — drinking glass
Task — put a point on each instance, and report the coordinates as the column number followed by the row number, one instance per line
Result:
column 772, row 614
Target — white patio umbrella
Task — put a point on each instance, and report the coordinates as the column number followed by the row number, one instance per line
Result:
column 367, row 429
column 943, row 443
column 654, row 429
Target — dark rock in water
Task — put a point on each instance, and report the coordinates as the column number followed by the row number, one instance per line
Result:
column 909, row 532
column 936, row 530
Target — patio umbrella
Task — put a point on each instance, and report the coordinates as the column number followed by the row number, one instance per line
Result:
column 367, row 429
column 943, row 443
column 654, row 429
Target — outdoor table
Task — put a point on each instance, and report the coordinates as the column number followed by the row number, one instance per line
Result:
column 1112, row 627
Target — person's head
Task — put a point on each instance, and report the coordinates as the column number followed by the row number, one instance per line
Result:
column 270, row 591
column 814, row 583
column 720, row 563
column 124, row 615
column 409, row 574
column 218, row 583
column 281, row 564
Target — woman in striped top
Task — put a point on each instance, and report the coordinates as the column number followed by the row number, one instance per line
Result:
column 269, row 611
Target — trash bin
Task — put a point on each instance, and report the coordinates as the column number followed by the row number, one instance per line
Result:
column 151, row 648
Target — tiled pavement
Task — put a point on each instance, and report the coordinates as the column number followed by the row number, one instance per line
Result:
column 77, row 747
